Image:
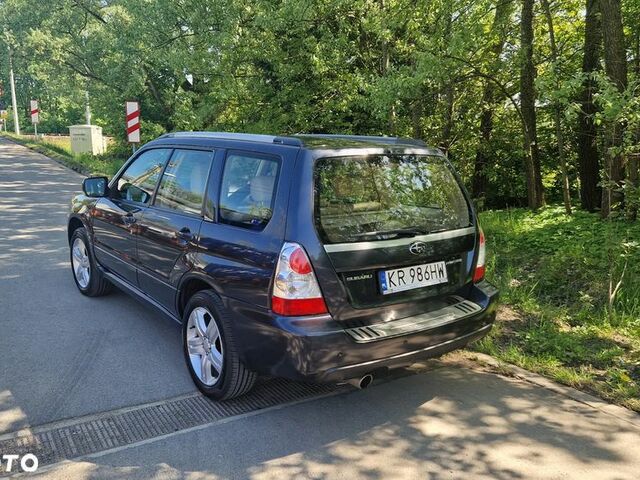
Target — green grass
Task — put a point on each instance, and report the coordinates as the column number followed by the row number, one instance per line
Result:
column 59, row 148
column 555, row 273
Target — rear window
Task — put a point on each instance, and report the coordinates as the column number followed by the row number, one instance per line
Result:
column 247, row 193
column 379, row 197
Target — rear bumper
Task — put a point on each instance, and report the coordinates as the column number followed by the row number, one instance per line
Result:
column 319, row 349
column 358, row 370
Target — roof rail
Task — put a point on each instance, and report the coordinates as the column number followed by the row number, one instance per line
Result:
column 367, row 138
column 249, row 137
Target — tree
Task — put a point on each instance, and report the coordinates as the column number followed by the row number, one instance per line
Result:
column 492, row 87
column 490, row 96
column 535, row 193
column 588, row 155
column 557, row 109
column 615, row 60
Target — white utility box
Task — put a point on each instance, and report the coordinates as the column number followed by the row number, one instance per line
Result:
column 86, row 139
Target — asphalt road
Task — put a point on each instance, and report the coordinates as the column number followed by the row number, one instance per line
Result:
column 63, row 355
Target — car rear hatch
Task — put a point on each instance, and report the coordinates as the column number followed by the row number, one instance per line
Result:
column 398, row 231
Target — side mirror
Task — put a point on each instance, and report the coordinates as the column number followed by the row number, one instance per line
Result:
column 95, row 186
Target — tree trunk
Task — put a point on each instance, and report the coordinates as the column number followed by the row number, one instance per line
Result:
column 588, row 159
column 615, row 61
column 632, row 179
column 480, row 181
column 633, row 164
column 386, row 63
column 636, row 56
column 449, row 93
column 499, row 33
column 447, row 128
column 535, row 195
column 557, row 110
column 416, row 119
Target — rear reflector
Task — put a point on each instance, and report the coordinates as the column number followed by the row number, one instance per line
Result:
column 295, row 289
column 480, row 270
column 479, row 273
column 297, row 307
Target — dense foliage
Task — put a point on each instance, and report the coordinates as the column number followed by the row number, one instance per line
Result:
column 475, row 77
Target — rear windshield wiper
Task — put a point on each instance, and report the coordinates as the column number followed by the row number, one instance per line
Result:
column 387, row 234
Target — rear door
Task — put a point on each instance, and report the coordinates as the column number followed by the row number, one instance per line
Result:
column 397, row 229
column 168, row 230
column 115, row 217
column 240, row 246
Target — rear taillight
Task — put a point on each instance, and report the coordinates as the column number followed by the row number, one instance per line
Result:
column 480, row 270
column 295, row 288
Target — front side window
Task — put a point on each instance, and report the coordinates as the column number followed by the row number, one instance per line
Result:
column 139, row 180
column 184, row 181
column 379, row 197
column 248, row 190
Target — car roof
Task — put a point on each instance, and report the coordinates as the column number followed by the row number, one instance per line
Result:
column 308, row 141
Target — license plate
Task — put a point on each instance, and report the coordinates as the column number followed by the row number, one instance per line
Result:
column 416, row 276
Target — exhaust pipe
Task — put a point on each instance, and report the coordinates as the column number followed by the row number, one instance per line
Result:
column 361, row 383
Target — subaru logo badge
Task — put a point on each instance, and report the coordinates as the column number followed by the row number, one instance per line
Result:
column 418, row 248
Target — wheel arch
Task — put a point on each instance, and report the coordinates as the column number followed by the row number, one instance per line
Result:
column 191, row 284
column 75, row 222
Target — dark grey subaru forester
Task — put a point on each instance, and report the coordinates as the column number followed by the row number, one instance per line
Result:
column 312, row 257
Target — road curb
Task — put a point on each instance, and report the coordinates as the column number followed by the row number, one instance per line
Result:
column 599, row 404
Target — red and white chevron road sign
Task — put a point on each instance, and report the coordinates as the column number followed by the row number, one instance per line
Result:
column 35, row 113
column 132, row 110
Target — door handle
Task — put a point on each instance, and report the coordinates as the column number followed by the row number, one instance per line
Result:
column 128, row 219
column 185, row 234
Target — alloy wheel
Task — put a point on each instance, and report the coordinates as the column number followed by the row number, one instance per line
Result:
column 81, row 263
column 204, row 344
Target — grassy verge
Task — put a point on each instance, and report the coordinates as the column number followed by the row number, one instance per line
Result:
column 555, row 274
column 60, row 150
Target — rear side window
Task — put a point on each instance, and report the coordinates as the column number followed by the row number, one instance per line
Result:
column 184, row 180
column 379, row 197
column 139, row 180
column 248, row 190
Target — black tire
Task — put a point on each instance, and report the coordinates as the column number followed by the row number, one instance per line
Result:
column 235, row 379
column 98, row 285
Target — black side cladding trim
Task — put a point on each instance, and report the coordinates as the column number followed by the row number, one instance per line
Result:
column 138, row 294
